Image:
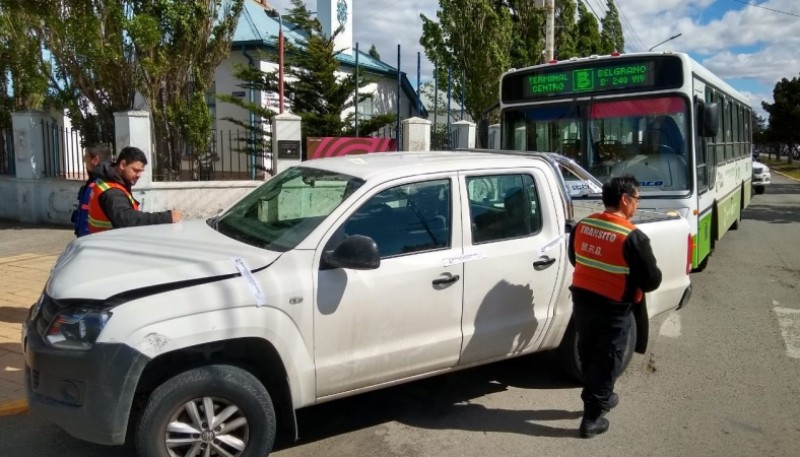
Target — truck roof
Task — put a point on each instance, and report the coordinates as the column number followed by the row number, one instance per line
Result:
column 387, row 165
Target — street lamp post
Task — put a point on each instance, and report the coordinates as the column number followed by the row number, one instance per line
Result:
column 668, row 39
column 273, row 13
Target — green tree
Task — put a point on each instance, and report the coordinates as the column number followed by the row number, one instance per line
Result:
column 373, row 52
column 527, row 37
column 178, row 46
column 24, row 80
column 94, row 74
column 587, row 41
column 473, row 38
column 317, row 93
column 611, row 37
column 565, row 29
column 784, row 115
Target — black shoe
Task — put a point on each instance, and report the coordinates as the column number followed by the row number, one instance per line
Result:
column 613, row 401
column 591, row 428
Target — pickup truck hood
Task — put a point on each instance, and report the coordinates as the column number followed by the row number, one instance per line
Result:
column 102, row 265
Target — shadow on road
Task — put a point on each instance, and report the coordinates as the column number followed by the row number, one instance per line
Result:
column 442, row 402
column 774, row 214
column 445, row 402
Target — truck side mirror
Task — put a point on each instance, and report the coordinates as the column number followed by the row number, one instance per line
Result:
column 357, row 252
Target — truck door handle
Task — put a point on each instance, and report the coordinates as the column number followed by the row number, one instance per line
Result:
column 545, row 262
column 447, row 280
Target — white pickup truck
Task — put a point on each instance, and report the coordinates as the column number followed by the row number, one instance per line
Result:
column 335, row 277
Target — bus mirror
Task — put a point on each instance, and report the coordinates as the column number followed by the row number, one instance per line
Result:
column 710, row 119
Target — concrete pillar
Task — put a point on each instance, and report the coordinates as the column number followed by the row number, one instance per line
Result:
column 28, row 143
column 494, row 136
column 416, row 134
column 287, row 148
column 463, row 134
column 29, row 158
column 132, row 128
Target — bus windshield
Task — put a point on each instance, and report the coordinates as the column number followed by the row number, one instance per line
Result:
column 646, row 137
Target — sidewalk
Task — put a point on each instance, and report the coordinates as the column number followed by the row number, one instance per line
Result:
column 27, row 252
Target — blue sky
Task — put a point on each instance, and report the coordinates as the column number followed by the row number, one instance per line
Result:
column 751, row 47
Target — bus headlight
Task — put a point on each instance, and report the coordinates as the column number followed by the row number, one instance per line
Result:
column 76, row 328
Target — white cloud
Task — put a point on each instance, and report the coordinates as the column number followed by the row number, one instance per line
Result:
column 746, row 43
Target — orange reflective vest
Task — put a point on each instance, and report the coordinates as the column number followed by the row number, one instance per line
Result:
column 98, row 220
column 600, row 265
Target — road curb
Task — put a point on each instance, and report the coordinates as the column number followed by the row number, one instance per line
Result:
column 784, row 175
column 14, row 407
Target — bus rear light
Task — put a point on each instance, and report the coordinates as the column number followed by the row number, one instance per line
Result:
column 689, row 252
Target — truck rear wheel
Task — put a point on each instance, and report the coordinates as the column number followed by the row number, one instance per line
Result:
column 217, row 410
column 570, row 358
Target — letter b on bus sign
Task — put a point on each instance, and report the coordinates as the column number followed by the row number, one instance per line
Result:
column 583, row 80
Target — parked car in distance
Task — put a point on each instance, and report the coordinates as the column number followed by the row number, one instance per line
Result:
column 761, row 177
column 336, row 276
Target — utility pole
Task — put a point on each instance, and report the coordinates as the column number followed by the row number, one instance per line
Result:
column 549, row 27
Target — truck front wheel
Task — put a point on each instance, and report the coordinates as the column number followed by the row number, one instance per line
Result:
column 216, row 410
column 570, row 358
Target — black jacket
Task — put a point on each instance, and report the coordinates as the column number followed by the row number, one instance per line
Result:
column 117, row 206
column 644, row 272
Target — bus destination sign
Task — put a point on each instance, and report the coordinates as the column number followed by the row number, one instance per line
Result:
column 544, row 83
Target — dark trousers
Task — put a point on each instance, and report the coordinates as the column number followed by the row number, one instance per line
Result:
column 602, row 336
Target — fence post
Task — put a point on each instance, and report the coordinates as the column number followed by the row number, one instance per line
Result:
column 464, row 134
column 494, row 136
column 28, row 143
column 416, row 134
column 132, row 128
column 30, row 162
column 287, row 149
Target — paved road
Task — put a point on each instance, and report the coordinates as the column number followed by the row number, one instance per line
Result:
column 17, row 238
column 720, row 379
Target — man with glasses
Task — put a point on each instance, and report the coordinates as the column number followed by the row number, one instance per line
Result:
column 614, row 266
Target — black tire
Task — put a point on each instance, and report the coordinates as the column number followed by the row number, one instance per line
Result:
column 228, row 390
column 759, row 189
column 570, row 358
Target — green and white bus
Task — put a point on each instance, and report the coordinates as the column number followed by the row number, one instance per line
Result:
column 682, row 131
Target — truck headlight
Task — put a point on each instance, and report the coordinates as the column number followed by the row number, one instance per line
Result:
column 76, row 328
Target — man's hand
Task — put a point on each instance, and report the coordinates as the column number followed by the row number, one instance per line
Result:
column 176, row 215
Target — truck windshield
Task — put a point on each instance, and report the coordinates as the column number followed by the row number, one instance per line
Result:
column 282, row 212
column 645, row 137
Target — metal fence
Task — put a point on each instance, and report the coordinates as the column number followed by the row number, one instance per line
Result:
column 63, row 153
column 442, row 140
column 7, row 152
column 388, row 131
column 233, row 155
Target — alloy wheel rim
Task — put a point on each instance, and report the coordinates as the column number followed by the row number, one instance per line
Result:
column 207, row 427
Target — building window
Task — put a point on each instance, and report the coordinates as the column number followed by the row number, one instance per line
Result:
column 365, row 108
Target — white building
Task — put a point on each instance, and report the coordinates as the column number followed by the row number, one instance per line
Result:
column 256, row 31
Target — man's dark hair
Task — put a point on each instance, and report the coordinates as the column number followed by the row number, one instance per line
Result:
column 131, row 154
column 616, row 187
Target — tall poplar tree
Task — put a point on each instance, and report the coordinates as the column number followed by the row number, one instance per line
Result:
column 527, row 36
column 587, row 39
column 611, row 37
column 473, row 38
column 565, row 29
